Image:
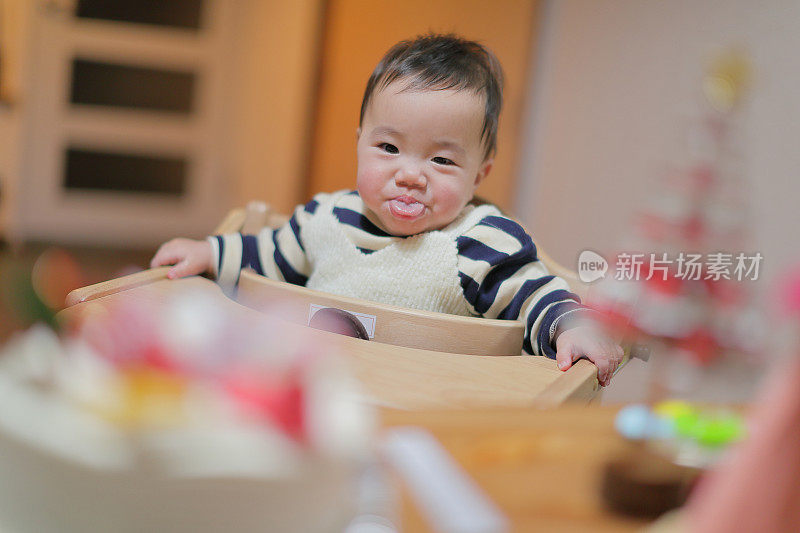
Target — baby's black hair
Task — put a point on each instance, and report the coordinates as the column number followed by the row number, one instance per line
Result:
column 440, row 62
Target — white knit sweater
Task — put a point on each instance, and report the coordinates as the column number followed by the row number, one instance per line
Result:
column 420, row 272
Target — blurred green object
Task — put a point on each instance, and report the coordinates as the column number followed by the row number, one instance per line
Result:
column 20, row 298
column 708, row 428
column 686, row 424
column 719, row 431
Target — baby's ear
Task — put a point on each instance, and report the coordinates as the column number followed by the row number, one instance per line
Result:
column 484, row 169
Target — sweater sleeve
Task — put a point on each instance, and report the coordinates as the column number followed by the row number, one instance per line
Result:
column 502, row 277
column 278, row 254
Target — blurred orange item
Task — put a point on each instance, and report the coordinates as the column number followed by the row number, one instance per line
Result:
column 55, row 273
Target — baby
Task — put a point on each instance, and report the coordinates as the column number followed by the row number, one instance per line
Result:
column 410, row 234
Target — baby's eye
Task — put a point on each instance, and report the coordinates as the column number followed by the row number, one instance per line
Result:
column 389, row 148
column 442, row 161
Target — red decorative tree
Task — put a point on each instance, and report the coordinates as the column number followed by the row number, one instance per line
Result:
column 680, row 283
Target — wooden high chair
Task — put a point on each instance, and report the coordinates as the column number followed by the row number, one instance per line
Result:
column 386, row 324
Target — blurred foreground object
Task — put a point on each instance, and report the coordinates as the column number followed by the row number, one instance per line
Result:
column 671, row 445
column 37, row 294
column 54, row 274
column 177, row 417
column 645, row 484
column 758, row 488
column 687, row 434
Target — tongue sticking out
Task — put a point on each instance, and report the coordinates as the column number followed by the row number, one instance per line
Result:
column 402, row 209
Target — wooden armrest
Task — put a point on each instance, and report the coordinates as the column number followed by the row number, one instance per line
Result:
column 255, row 217
column 251, row 219
column 578, row 384
column 232, row 222
column 275, row 219
column 112, row 286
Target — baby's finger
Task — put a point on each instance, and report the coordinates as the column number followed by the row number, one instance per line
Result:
column 180, row 270
column 164, row 256
column 605, row 369
column 160, row 261
column 564, row 357
column 613, row 367
column 616, row 362
column 615, row 351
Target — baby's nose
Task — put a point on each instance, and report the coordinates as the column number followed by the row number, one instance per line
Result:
column 410, row 177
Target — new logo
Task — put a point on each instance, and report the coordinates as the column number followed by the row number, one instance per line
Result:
column 591, row 266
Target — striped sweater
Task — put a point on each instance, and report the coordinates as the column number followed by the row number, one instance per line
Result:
column 500, row 274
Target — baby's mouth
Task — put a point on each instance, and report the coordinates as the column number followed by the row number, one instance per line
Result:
column 406, row 207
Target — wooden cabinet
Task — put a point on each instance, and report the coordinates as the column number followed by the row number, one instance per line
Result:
column 124, row 121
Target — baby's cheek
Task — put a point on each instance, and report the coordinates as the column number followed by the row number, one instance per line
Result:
column 368, row 184
column 452, row 199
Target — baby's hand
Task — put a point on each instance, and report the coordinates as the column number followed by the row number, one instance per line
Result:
column 588, row 341
column 189, row 257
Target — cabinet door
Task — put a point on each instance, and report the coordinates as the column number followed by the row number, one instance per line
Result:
column 358, row 33
column 124, row 121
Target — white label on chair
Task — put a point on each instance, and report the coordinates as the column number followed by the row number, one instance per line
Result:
column 368, row 321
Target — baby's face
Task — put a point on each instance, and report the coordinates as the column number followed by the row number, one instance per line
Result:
column 420, row 156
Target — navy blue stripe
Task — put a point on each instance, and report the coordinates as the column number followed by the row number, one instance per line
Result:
column 511, row 311
column 469, row 286
column 544, row 301
column 478, row 251
column 543, row 338
column 250, row 254
column 221, row 245
column 357, row 220
column 510, row 227
column 493, row 281
column 311, row 207
column 498, row 275
column 296, row 230
column 366, row 251
column 289, row 274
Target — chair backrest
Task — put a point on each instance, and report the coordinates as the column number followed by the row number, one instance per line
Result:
column 387, row 324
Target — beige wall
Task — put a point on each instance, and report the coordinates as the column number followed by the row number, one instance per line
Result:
column 619, row 89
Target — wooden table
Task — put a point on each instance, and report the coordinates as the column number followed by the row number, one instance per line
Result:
column 401, row 377
column 541, row 467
